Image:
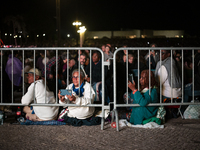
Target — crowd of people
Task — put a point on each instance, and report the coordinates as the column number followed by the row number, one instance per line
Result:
column 71, row 70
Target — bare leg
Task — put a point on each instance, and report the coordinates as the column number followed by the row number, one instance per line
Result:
column 29, row 114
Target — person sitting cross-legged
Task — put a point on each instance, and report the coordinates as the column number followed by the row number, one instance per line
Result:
column 143, row 98
column 37, row 87
column 85, row 97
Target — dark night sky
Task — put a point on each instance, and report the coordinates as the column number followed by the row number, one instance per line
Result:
column 104, row 14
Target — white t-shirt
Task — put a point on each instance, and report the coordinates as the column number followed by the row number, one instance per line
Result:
column 43, row 112
column 87, row 98
column 166, row 88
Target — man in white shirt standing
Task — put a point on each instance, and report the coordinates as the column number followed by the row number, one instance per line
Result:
column 37, row 87
column 167, row 74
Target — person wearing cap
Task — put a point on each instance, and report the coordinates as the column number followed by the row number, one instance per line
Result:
column 37, row 90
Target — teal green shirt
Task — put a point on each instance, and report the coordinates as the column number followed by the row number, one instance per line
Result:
column 138, row 114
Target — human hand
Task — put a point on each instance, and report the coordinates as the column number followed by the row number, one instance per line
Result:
column 87, row 79
column 61, row 97
column 50, row 76
column 63, row 82
column 131, row 85
column 71, row 97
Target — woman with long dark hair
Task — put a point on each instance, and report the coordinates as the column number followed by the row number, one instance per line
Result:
column 143, row 98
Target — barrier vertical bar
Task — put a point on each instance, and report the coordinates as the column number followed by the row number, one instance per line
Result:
column 67, row 67
column 12, row 78
column 193, row 74
column 34, row 74
column 126, row 76
column 182, row 77
column 159, row 77
column 138, row 70
column 23, row 72
column 45, row 85
column 171, row 77
column 1, row 76
column 79, row 68
column 149, row 72
column 56, row 73
column 103, row 92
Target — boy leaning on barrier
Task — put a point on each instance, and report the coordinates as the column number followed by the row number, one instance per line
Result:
column 37, row 87
column 85, row 97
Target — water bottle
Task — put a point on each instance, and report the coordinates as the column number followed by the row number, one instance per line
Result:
column 1, row 117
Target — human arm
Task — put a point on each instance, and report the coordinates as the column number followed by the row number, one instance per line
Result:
column 29, row 96
column 132, row 86
column 162, row 76
column 145, row 99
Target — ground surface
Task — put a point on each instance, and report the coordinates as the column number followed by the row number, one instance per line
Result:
column 177, row 134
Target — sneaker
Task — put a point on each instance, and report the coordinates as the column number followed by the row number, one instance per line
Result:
column 63, row 113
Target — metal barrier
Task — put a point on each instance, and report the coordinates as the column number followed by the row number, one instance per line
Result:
column 139, row 50
column 57, row 50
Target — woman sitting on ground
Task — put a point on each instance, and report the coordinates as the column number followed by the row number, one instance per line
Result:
column 143, row 98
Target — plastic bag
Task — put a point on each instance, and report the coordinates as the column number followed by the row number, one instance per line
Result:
column 192, row 112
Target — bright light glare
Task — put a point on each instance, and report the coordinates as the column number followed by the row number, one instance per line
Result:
column 43, row 34
column 68, row 35
column 76, row 23
column 81, row 29
column 5, row 34
column 37, row 35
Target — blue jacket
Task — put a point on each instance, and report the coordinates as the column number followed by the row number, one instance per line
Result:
column 143, row 112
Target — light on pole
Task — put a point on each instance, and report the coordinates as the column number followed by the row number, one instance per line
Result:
column 76, row 23
column 81, row 31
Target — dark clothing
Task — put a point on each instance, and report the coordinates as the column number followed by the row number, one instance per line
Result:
column 79, row 122
column 96, row 72
column 51, row 67
column 70, row 73
column 197, row 78
column 39, row 64
column 152, row 61
column 134, row 65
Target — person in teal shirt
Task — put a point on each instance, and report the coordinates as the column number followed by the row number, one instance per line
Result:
column 143, row 98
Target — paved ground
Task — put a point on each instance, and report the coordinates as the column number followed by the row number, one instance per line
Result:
column 177, row 134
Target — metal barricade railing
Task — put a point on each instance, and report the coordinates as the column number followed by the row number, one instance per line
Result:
column 57, row 50
column 138, row 51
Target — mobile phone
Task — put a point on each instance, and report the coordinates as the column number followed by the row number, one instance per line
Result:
column 66, row 92
column 130, row 77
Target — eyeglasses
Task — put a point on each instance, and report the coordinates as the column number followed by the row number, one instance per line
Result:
column 75, row 77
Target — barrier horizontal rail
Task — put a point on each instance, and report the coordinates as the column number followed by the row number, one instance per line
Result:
column 56, row 50
column 148, row 49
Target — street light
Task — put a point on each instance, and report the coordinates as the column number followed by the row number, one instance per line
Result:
column 81, row 31
column 76, row 23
